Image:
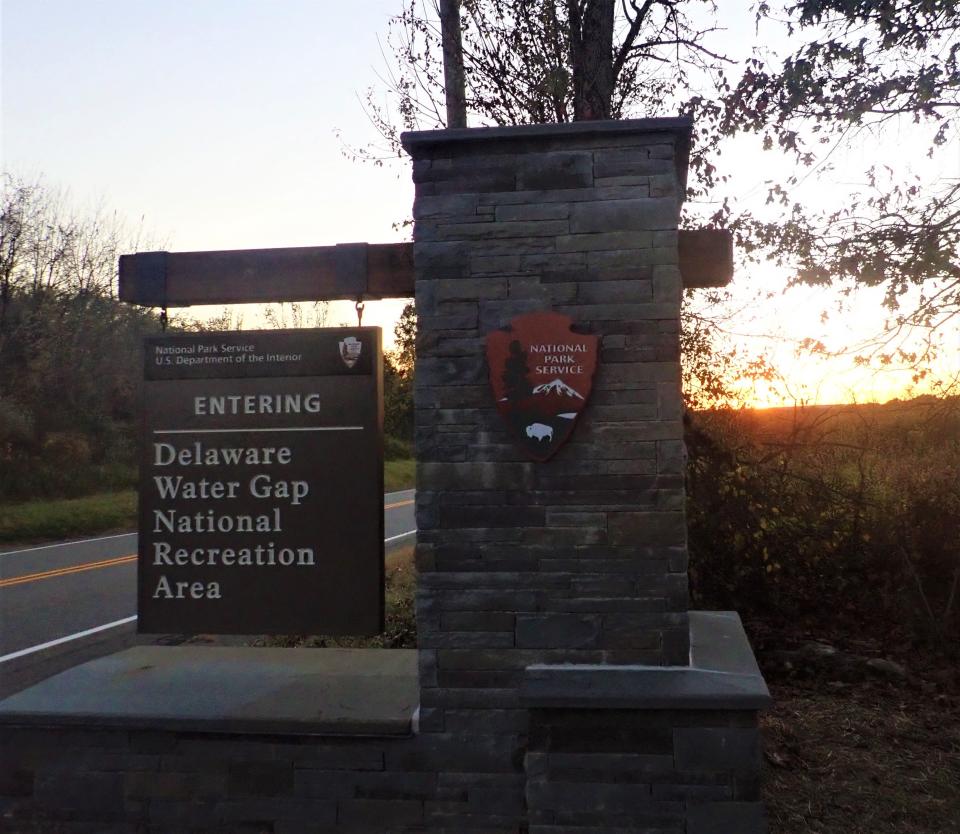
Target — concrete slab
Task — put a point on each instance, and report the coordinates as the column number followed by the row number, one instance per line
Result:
column 723, row 674
column 356, row 692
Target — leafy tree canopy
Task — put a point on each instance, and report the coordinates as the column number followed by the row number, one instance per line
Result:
column 862, row 71
column 853, row 71
column 70, row 352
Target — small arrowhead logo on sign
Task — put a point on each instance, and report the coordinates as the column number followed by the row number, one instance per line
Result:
column 541, row 373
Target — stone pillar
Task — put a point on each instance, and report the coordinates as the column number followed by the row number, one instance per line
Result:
column 581, row 559
column 555, row 640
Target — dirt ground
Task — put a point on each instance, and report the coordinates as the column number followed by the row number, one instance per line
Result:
column 862, row 759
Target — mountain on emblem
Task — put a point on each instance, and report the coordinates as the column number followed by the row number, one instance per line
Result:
column 556, row 387
column 541, row 373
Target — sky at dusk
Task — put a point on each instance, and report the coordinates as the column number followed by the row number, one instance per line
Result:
column 212, row 121
column 214, row 125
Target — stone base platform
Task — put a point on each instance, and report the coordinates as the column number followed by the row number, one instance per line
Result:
column 617, row 749
column 229, row 690
column 171, row 739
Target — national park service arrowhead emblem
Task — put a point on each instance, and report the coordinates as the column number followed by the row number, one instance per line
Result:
column 541, row 373
column 350, row 349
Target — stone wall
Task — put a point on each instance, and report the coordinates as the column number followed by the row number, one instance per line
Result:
column 97, row 781
column 585, row 772
column 619, row 771
column 605, row 750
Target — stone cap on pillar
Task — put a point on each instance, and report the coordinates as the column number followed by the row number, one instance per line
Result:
column 420, row 143
column 723, row 674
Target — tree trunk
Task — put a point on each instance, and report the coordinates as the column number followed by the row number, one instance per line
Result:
column 591, row 56
column 453, row 81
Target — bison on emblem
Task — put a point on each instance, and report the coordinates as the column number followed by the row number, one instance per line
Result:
column 540, row 431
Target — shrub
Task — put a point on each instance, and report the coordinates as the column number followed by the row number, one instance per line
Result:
column 847, row 516
column 67, row 449
column 396, row 449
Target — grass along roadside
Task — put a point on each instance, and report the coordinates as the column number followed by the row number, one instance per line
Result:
column 68, row 517
column 36, row 521
column 399, row 474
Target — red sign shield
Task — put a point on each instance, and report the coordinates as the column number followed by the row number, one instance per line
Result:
column 541, row 373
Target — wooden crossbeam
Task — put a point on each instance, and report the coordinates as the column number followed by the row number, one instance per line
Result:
column 706, row 258
column 333, row 273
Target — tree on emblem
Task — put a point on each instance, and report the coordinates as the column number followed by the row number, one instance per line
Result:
column 517, row 386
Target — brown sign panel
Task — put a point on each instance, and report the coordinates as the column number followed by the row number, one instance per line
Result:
column 541, row 373
column 261, row 483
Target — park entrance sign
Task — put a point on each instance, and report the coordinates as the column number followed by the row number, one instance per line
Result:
column 560, row 681
column 261, row 485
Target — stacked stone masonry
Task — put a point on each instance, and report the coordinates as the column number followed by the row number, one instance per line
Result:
column 167, row 782
column 583, row 559
column 585, row 772
column 619, row 771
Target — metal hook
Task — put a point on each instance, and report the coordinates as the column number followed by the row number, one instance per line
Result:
column 163, row 320
column 360, row 306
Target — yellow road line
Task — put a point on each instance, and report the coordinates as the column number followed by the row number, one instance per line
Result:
column 50, row 574
column 106, row 563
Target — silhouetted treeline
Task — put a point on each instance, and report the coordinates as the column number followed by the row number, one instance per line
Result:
column 70, row 353
column 398, row 370
column 70, row 371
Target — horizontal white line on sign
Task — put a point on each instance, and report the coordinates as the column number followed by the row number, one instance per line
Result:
column 231, row 431
column 51, row 643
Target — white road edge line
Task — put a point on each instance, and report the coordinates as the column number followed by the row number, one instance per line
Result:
column 63, row 544
column 399, row 536
column 67, row 639
column 81, row 634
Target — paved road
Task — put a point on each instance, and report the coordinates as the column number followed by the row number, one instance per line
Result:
column 60, row 602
